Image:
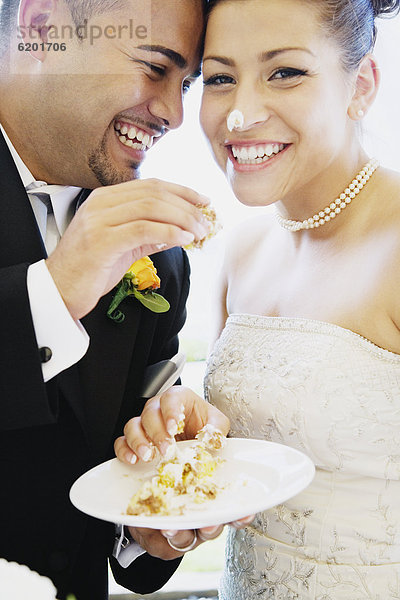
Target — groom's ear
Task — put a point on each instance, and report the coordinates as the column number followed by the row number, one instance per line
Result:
column 365, row 88
column 35, row 19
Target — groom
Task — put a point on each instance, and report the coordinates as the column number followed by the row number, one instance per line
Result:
column 86, row 88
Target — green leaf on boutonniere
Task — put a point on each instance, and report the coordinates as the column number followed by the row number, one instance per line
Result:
column 154, row 302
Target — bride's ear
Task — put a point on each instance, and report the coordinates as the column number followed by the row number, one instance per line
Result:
column 365, row 88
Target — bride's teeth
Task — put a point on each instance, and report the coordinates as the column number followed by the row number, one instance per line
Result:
column 124, row 130
column 269, row 149
column 252, row 152
column 132, row 133
column 260, row 151
column 146, row 139
column 254, row 155
column 117, row 126
column 140, row 136
column 129, row 143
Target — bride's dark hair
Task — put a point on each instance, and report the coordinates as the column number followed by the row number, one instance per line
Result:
column 351, row 22
column 383, row 7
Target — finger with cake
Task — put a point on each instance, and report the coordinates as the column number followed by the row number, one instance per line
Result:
column 177, row 414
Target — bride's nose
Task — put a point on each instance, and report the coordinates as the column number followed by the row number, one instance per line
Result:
column 247, row 110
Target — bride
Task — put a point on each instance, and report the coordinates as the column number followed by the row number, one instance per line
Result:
column 308, row 340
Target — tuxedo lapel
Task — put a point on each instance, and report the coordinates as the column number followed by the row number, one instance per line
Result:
column 105, row 368
column 20, row 239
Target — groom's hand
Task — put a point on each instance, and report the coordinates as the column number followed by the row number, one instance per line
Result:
column 116, row 226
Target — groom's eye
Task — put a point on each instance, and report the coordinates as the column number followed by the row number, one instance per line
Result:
column 218, row 80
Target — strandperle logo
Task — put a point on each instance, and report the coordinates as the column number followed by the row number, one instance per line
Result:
column 86, row 31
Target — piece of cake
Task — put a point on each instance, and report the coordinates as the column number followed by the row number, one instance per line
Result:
column 185, row 477
column 211, row 217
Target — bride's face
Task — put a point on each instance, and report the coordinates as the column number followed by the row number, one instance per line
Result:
column 271, row 60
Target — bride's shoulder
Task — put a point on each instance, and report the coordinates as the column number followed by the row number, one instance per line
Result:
column 388, row 196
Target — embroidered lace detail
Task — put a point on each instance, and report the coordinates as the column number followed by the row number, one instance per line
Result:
column 336, row 396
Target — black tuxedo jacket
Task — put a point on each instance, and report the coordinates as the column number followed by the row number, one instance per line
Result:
column 52, row 433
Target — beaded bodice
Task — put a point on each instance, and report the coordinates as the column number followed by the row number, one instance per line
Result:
column 336, row 396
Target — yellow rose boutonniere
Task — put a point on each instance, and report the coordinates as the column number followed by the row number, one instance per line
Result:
column 139, row 281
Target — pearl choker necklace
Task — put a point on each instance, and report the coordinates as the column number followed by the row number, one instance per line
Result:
column 336, row 207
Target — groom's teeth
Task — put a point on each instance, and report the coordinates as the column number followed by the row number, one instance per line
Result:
column 126, row 135
column 256, row 154
column 132, row 133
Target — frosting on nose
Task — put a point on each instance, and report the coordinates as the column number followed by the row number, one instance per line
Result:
column 235, row 120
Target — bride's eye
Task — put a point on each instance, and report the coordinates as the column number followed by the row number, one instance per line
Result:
column 287, row 74
column 218, row 80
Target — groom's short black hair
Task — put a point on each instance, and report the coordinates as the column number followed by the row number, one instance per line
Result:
column 81, row 11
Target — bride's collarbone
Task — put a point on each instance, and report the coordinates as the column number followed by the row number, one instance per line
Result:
column 355, row 294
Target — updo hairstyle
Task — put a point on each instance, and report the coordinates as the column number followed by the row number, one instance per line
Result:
column 351, row 22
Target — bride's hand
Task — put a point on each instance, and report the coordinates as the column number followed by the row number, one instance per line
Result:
column 157, row 426
column 159, row 420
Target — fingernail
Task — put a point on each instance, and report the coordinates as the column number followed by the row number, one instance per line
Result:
column 186, row 238
column 130, row 457
column 161, row 246
column 248, row 519
column 145, row 453
column 210, row 530
column 172, row 427
column 164, row 447
column 169, row 533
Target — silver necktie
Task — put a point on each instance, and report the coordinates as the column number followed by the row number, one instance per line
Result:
column 42, row 207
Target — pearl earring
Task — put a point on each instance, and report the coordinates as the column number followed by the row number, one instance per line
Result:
column 360, row 112
column 235, row 120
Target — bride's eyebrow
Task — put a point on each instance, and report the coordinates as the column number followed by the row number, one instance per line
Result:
column 263, row 57
column 270, row 54
column 221, row 59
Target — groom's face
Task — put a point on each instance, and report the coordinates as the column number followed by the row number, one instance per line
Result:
column 105, row 102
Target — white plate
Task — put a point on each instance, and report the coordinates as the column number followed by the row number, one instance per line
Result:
column 256, row 475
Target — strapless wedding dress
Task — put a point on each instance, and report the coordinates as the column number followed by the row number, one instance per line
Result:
column 336, row 397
